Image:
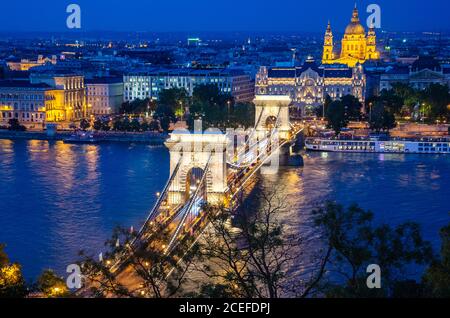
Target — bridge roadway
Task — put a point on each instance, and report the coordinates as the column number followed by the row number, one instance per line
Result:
column 184, row 221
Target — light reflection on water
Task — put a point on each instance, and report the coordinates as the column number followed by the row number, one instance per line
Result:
column 56, row 199
column 396, row 188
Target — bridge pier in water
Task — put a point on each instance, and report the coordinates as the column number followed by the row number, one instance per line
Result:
column 272, row 112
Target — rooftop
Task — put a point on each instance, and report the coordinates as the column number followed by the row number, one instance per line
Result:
column 189, row 72
column 104, row 80
column 22, row 84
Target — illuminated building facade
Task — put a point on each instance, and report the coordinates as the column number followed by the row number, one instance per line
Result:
column 104, row 95
column 141, row 85
column 309, row 84
column 31, row 104
column 74, row 92
column 357, row 47
column 26, row 64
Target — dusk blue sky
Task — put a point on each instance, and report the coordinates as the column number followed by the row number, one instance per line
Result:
column 221, row 15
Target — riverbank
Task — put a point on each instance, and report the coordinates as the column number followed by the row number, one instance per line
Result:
column 144, row 137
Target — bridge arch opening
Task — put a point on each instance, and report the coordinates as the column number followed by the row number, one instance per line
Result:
column 193, row 178
column 270, row 122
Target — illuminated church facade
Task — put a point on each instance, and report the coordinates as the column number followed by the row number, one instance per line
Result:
column 357, row 47
column 308, row 85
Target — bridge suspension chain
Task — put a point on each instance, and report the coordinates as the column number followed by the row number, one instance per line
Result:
column 257, row 143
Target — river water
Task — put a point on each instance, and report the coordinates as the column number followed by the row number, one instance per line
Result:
column 56, row 199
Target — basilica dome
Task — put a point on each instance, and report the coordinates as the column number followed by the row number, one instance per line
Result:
column 355, row 27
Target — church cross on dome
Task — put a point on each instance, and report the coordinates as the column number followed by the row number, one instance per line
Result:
column 355, row 16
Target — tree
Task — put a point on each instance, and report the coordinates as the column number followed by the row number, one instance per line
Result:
column 438, row 98
column 98, row 124
column 117, row 124
column 352, row 107
column 335, row 116
column 213, row 106
column 85, row 124
column 135, row 125
column 354, row 242
column 165, row 123
column 382, row 118
column 161, row 275
column 154, row 126
column 137, row 106
column 174, row 98
column 144, row 126
column 4, row 259
column 52, row 285
column 252, row 256
column 408, row 94
column 126, row 124
column 437, row 276
column 12, row 282
column 391, row 101
column 105, row 125
column 323, row 112
column 209, row 94
column 241, row 115
column 15, row 125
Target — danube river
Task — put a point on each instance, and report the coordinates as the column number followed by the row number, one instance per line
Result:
column 56, row 199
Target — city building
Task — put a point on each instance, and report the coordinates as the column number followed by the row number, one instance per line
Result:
column 26, row 64
column 193, row 41
column 309, row 84
column 104, row 95
column 72, row 85
column 356, row 46
column 31, row 104
column 420, row 74
column 141, row 85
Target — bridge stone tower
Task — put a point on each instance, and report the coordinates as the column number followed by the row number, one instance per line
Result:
column 271, row 109
column 194, row 150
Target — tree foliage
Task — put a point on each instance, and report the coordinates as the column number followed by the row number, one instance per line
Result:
column 381, row 118
column 160, row 274
column 354, row 243
column 85, row 124
column 138, row 106
column 252, row 257
column 404, row 100
column 51, row 285
column 15, row 125
column 12, row 282
column 437, row 276
column 335, row 116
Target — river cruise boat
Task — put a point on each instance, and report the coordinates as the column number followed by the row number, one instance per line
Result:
column 381, row 145
column 82, row 138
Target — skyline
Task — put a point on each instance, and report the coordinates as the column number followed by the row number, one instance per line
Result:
column 230, row 16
